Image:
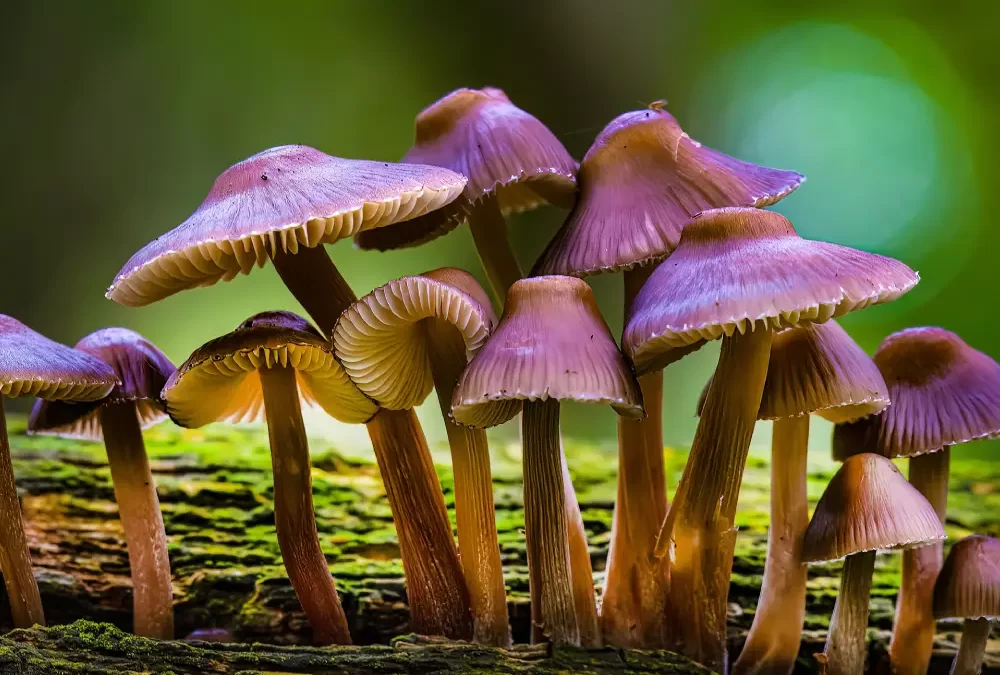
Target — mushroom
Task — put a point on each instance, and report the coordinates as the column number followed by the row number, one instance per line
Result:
column 513, row 163
column 943, row 393
column 867, row 506
column 551, row 345
column 33, row 365
column 398, row 342
column 118, row 419
column 283, row 204
column 640, row 182
column 968, row 587
column 738, row 274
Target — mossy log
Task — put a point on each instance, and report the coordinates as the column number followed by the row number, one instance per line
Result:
column 214, row 487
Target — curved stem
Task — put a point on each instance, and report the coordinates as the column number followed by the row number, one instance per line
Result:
column 139, row 511
column 316, row 283
column 846, row 643
column 913, row 629
column 699, row 531
column 972, row 650
column 298, row 538
column 15, row 560
column 581, row 570
column 772, row 644
column 474, row 509
column 435, row 585
column 489, row 231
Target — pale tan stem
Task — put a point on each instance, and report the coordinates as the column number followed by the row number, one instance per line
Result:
column 846, row 643
column 489, row 232
column 772, row 644
column 316, row 283
column 972, row 650
column 139, row 511
column 474, row 509
column 15, row 560
column 581, row 570
column 435, row 584
column 298, row 538
column 913, row 629
column 699, row 530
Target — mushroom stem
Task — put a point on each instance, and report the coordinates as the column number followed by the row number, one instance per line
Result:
column 553, row 610
column 489, row 231
column 298, row 538
column 474, row 509
column 913, row 630
column 15, row 560
column 846, row 642
column 139, row 511
column 972, row 649
column 699, row 528
column 581, row 571
column 775, row 635
column 316, row 283
column 435, row 585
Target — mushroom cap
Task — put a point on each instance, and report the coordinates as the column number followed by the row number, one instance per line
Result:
column 551, row 343
column 943, row 393
column 640, row 182
column 742, row 269
column 282, row 198
column 382, row 342
column 142, row 370
column 968, row 585
column 219, row 381
column 502, row 150
column 869, row 505
column 33, row 365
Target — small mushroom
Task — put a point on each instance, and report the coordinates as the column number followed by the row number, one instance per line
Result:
column 513, row 163
column 968, row 587
column 737, row 274
column 551, row 345
column 396, row 343
column 118, row 419
column 33, row 365
column 867, row 506
column 640, row 182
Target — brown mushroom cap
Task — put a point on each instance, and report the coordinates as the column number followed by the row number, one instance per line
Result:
column 943, row 393
column 968, row 586
column 381, row 341
column 142, row 370
column 502, row 150
column 869, row 505
column 741, row 269
column 219, row 381
column 282, row 198
column 33, row 365
column 551, row 343
column 640, row 182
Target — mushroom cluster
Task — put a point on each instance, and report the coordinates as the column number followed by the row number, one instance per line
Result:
column 702, row 259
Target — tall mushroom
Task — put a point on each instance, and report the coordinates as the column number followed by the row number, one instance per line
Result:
column 513, row 163
column 943, row 393
column 737, row 274
column 867, row 506
column 118, row 419
column 640, row 182
column 968, row 587
column 551, row 345
column 33, row 365
column 282, row 205
column 398, row 342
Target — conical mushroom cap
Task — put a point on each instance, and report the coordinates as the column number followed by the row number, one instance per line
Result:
column 220, row 382
column 282, row 198
column 382, row 340
column 869, row 505
column 968, row 586
column 943, row 393
column 551, row 343
column 142, row 370
column 33, row 365
column 500, row 148
column 741, row 269
column 641, row 181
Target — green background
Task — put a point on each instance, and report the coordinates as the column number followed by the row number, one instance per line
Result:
column 117, row 116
